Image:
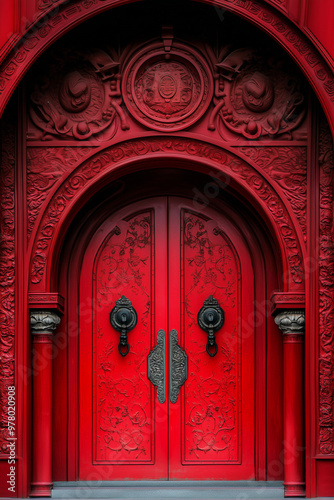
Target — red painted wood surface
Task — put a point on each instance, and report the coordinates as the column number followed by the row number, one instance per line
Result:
column 124, row 432
column 318, row 423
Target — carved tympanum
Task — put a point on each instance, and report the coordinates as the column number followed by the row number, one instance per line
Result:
column 167, row 88
column 78, row 101
column 255, row 95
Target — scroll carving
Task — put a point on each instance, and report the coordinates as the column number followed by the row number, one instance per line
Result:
column 191, row 148
column 44, row 167
column 326, row 293
column 287, row 166
column 7, row 278
column 255, row 96
column 156, row 366
column 78, row 99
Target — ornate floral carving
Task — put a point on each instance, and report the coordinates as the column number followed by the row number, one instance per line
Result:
column 7, row 277
column 156, row 366
column 122, row 393
column 167, row 93
column 326, row 293
column 178, row 366
column 78, row 99
column 255, row 96
column 213, row 388
column 287, row 166
column 44, row 167
column 291, row 322
column 232, row 164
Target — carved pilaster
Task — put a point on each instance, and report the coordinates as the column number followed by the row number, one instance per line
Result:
column 43, row 324
column 292, row 325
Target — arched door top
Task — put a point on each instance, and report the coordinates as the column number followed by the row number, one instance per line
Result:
column 227, row 170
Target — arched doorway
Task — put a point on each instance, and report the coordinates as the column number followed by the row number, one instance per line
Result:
column 213, row 415
column 260, row 155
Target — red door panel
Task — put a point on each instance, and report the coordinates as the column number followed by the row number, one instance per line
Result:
column 213, row 421
column 167, row 259
column 123, row 431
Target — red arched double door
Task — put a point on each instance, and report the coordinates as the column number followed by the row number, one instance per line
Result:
column 169, row 408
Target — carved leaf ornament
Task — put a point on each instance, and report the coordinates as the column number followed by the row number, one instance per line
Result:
column 80, row 101
column 256, row 96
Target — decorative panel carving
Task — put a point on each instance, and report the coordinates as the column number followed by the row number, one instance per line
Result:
column 166, row 86
column 44, row 167
column 326, row 294
column 256, row 95
column 212, row 394
column 189, row 148
column 7, row 278
column 77, row 96
column 287, row 166
column 122, row 394
column 41, row 34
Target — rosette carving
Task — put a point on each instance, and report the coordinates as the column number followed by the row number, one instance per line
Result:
column 78, row 100
column 256, row 96
column 167, row 86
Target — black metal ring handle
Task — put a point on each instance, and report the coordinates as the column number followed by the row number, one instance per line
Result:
column 123, row 318
column 211, row 318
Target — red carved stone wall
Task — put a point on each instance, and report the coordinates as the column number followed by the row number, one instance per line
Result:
column 326, row 294
column 7, row 279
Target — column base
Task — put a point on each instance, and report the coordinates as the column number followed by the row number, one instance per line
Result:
column 294, row 490
column 41, row 489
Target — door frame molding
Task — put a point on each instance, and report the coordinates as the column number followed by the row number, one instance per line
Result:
column 106, row 167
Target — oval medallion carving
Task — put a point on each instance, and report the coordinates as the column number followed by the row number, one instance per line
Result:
column 167, row 90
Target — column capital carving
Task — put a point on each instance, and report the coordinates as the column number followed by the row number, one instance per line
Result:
column 291, row 321
column 43, row 322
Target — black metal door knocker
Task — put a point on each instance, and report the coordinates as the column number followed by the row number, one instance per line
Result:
column 123, row 318
column 211, row 318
